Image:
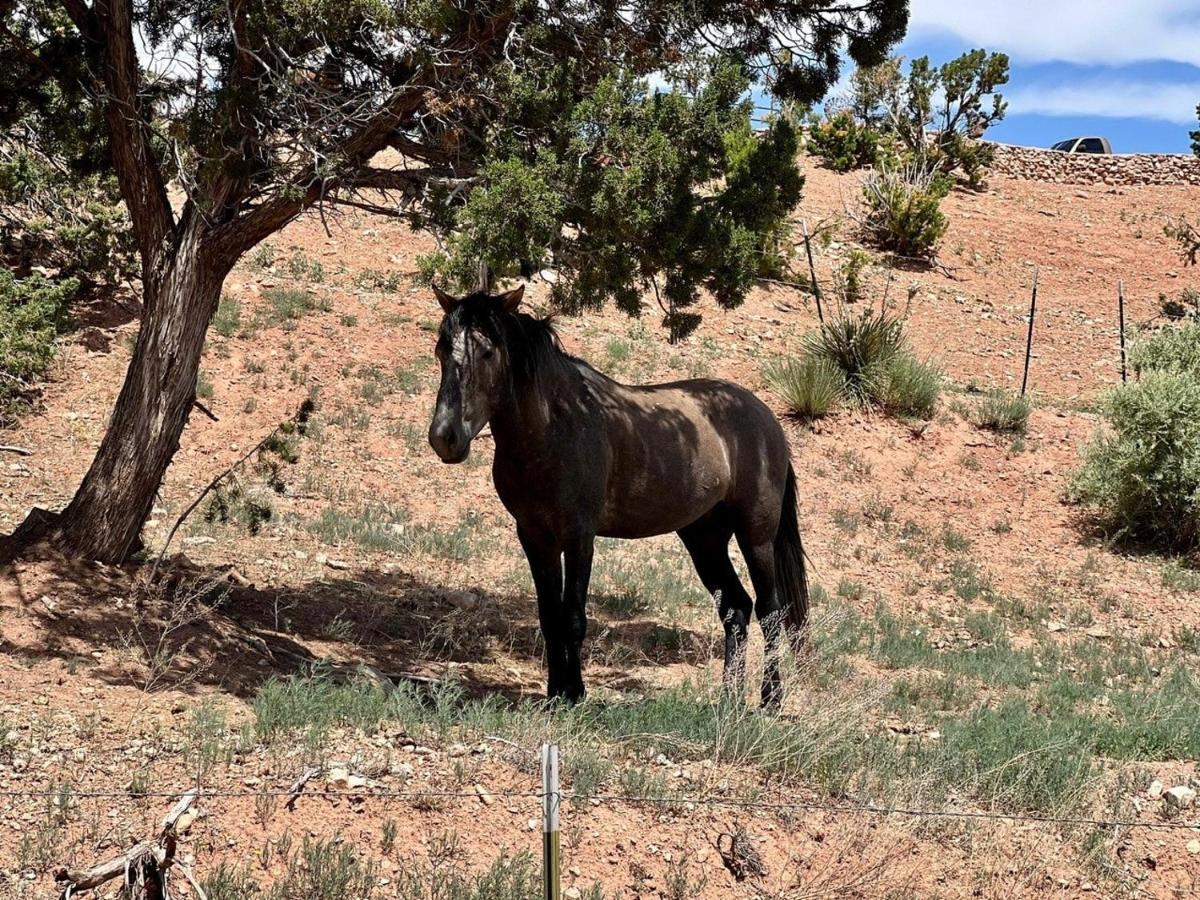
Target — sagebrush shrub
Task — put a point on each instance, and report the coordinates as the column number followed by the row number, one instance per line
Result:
column 1169, row 350
column 902, row 210
column 1144, row 475
column 843, row 142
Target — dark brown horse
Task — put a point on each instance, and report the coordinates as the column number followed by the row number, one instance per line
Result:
column 579, row 455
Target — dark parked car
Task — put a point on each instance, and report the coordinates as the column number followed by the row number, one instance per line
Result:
column 1084, row 145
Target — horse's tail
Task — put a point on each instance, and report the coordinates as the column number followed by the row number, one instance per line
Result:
column 791, row 576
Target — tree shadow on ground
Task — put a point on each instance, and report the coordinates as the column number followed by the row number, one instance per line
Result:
column 203, row 627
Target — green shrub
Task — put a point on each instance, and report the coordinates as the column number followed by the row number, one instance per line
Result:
column 1003, row 412
column 809, row 386
column 1145, row 474
column 843, row 142
column 33, row 312
column 907, row 387
column 902, row 210
column 863, row 358
column 1169, row 350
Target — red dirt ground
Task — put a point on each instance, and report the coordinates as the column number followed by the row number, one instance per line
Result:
column 77, row 715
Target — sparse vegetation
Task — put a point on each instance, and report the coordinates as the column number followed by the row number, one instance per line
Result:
column 228, row 318
column 1002, row 412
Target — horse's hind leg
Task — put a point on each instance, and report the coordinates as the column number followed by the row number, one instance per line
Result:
column 760, row 561
column 707, row 542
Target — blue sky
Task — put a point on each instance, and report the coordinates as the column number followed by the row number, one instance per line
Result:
column 1125, row 69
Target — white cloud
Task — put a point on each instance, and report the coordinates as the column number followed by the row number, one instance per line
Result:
column 1109, row 97
column 1097, row 32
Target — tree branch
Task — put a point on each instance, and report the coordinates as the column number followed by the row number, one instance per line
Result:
column 376, row 133
column 137, row 168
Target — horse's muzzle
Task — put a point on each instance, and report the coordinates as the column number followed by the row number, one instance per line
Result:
column 450, row 442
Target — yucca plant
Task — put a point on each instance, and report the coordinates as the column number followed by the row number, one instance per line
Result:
column 859, row 347
column 810, row 387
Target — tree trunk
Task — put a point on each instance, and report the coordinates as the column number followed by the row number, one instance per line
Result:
column 104, row 519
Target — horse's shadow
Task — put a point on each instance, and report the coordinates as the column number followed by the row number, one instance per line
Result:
column 208, row 628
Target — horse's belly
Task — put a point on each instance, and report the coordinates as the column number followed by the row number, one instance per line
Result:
column 657, row 506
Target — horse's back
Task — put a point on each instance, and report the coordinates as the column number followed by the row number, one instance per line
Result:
column 677, row 450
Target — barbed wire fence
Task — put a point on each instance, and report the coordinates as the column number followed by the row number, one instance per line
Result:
column 156, row 856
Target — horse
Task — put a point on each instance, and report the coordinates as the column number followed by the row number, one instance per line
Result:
column 579, row 455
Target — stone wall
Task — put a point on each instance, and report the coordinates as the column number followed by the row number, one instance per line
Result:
column 1034, row 164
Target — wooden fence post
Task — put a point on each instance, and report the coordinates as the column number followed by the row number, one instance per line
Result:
column 551, row 798
column 1029, row 340
column 812, row 271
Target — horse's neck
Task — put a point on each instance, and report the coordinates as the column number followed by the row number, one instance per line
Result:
column 521, row 425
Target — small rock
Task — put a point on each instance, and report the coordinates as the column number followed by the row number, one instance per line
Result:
column 1180, row 797
column 573, row 893
column 1155, row 791
column 456, row 750
column 484, row 797
column 1193, row 847
column 337, row 564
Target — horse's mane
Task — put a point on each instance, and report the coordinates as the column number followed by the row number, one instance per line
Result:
column 531, row 342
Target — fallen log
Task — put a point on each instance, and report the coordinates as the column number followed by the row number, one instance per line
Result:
column 143, row 864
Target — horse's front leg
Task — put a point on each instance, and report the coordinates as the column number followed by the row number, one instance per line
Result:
column 545, row 565
column 578, row 559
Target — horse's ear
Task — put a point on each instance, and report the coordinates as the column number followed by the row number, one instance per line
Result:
column 510, row 300
column 448, row 302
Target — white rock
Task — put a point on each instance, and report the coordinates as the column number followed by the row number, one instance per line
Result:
column 1181, row 797
column 1155, row 791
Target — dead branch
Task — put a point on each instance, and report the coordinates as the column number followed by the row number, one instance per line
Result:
column 297, row 787
column 20, row 451
column 204, row 409
column 153, row 855
column 304, row 411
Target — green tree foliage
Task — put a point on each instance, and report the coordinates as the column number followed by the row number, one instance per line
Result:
column 543, row 148
column 1195, row 136
column 33, row 312
column 934, row 113
column 959, row 102
column 60, row 206
column 641, row 189
column 1144, row 475
column 844, row 142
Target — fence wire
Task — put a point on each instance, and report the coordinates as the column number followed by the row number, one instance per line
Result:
column 673, row 800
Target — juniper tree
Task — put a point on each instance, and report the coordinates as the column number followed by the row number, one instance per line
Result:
column 525, row 134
